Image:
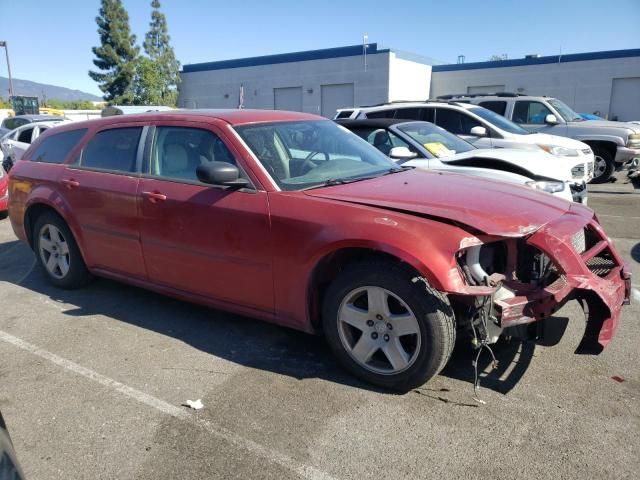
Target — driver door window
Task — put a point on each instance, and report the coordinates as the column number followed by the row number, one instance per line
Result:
column 455, row 122
column 25, row 135
column 178, row 151
column 530, row 113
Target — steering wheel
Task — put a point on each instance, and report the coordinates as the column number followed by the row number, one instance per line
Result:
column 309, row 164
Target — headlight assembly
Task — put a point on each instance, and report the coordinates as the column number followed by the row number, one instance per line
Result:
column 547, row 186
column 558, row 150
column 634, row 140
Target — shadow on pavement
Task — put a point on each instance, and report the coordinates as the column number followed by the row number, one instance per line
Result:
column 242, row 340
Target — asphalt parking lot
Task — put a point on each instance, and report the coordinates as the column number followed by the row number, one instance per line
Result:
column 92, row 382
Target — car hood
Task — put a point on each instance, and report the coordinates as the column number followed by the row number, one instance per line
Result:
column 492, row 207
column 537, row 163
column 546, row 139
column 606, row 124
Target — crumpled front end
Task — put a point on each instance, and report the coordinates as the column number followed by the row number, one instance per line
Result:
column 534, row 276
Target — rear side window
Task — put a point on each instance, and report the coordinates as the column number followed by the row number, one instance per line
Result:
column 381, row 114
column 56, row 148
column 114, row 149
column 345, row 114
column 12, row 123
column 499, row 107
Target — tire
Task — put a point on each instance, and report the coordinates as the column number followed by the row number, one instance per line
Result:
column 52, row 239
column 366, row 339
column 604, row 165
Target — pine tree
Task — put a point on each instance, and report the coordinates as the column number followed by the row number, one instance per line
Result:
column 158, row 78
column 117, row 54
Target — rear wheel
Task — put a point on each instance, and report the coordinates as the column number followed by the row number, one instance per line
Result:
column 58, row 253
column 604, row 165
column 385, row 329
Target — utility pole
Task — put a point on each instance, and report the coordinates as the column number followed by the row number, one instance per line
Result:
column 6, row 51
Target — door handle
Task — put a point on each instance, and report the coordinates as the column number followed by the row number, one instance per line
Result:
column 70, row 183
column 154, row 197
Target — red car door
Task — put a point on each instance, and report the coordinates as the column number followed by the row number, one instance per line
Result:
column 101, row 188
column 198, row 238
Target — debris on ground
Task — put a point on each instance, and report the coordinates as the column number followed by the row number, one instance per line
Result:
column 194, row 404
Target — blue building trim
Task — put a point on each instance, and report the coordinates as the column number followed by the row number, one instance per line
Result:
column 349, row 51
column 519, row 62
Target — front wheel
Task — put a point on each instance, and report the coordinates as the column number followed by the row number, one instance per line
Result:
column 604, row 166
column 385, row 329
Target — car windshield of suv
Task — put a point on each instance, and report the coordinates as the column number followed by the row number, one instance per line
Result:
column 437, row 141
column 307, row 154
column 499, row 121
column 565, row 111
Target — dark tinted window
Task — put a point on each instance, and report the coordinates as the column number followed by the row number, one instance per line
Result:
column 54, row 149
column 12, row 123
column 381, row 114
column 345, row 114
column 495, row 106
column 25, row 135
column 455, row 121
column 409, row 113
column 178, row 151
column 113, row 149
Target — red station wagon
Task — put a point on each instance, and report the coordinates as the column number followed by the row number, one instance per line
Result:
column 290, row 218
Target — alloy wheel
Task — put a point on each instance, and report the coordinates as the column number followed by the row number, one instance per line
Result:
column 600, row 166
column 54, row 251
column 379, row 330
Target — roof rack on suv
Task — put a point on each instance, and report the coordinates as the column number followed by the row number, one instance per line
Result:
column 472, row 95
column 393, row 102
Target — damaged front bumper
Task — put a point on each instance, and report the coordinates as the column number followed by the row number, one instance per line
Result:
column 584, row 266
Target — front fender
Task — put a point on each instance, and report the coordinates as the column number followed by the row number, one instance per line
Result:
column 618, row 140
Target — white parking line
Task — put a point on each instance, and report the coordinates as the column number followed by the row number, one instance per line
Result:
column 305, row 471
column 636, row 294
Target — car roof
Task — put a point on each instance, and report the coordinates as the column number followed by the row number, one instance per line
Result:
column 372, row 122
column 41, row 118
column 423, row 103
column 233, row 117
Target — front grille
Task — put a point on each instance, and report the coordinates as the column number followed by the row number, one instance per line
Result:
column 578, row 171
column 601, row 264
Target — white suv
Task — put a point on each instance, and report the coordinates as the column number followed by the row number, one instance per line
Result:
column 482, row 128
column 613, row 143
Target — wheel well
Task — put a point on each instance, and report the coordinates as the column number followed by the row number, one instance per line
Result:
column 32, row 214
column 610, row 147
column 329, row 267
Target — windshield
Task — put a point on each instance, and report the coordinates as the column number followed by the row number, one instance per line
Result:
column 438, row 142
column 499, row 121
column 565, row 111
column 305, row 154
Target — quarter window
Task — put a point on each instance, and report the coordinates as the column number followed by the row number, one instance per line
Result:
column 530, row 113
column 113, row 149
column 178, row 151
column 381, row 114
column 54, row 149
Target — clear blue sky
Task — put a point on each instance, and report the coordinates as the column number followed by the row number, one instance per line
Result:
column 50, row 41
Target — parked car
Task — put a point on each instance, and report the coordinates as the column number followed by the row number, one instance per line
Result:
column 16, row 142
column 425, row 145
column 613, row 143
column 4, row 193
column 481, row 127
column 11, row 123
column 290, row 218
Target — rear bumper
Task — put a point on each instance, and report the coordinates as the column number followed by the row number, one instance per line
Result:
column 597, row 277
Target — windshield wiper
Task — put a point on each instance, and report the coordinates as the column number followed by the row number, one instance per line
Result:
column 341, row 181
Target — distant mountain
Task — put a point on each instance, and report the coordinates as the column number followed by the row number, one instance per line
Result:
column 34, row 89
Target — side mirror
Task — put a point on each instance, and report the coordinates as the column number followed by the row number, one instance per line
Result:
column 221, row 173
column 402, row 153
column 478, row 131
column 551, row 119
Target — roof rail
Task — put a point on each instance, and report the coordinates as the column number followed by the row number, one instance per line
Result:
column 472, row 95
column 430, row 100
